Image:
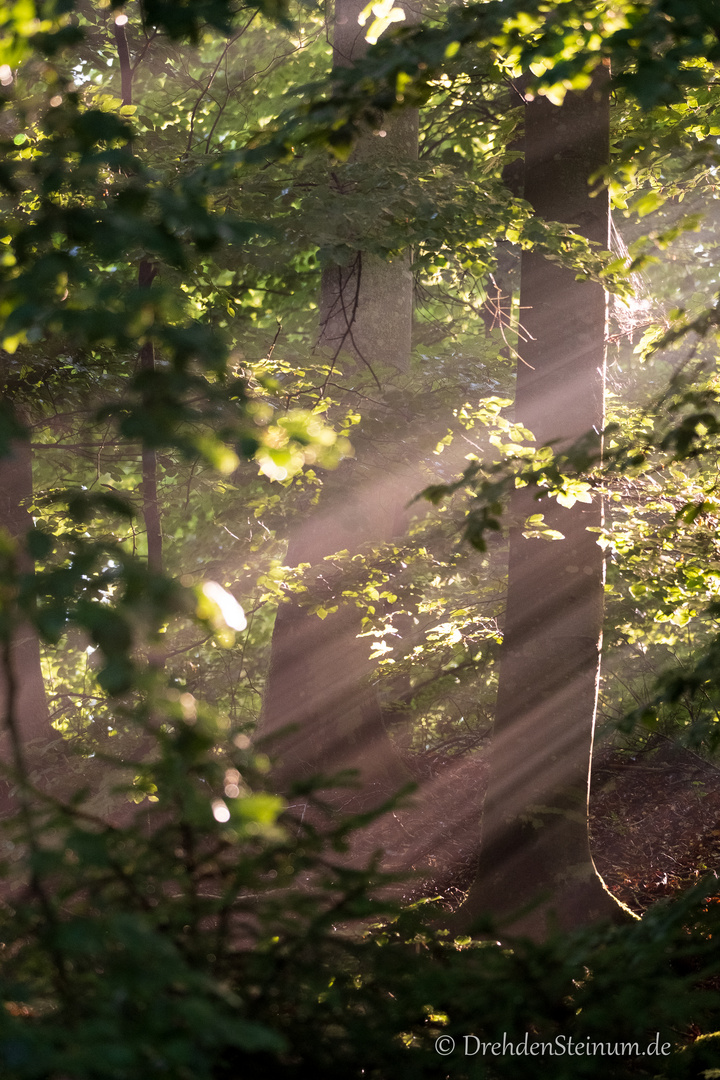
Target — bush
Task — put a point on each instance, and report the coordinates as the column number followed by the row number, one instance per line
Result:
column 218, row 936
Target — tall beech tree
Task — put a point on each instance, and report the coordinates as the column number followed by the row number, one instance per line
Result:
column 317, row 693
column 535, row 826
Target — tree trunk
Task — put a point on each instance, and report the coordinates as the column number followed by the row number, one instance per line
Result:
column 535, row 825
column 22, row 689
column 366, row 308
column 319, row 678
column 151, row 507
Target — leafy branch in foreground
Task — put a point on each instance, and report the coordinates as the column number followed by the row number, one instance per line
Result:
column 216, row 932
column 657, row 50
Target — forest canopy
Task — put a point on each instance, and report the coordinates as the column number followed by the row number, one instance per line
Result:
column 359, row 391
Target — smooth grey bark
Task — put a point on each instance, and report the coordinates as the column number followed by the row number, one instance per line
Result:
column 318, row 683
column 535, row 826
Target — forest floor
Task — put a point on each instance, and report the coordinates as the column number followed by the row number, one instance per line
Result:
column 655, row 824
column 655, row 821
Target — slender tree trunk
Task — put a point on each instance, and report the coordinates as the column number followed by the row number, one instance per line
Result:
column 147, row 272
column 535, row 825
column 151, row 506
column 318, row 683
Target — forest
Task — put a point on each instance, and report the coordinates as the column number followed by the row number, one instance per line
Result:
column 359, row 552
